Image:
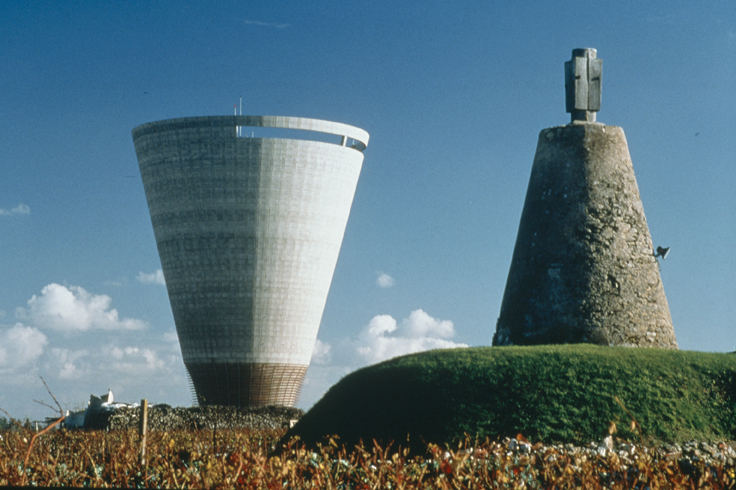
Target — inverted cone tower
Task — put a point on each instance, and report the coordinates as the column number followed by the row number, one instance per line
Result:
column 584, row 268
column 248, row 230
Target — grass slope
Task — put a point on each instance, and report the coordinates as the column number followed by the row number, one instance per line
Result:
column 561, row 393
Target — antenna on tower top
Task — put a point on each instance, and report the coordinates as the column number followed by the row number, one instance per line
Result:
column 235, row 113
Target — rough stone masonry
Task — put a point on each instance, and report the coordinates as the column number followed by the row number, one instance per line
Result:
column 584, row 268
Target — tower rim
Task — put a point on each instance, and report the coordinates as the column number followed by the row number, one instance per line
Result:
column 360, row 136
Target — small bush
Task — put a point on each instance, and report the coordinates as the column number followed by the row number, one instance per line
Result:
column 552, row 393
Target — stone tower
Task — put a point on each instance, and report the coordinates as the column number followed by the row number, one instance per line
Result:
column 248, row 230
column 584, row 268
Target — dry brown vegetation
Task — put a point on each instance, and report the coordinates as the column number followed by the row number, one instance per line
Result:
column 242, row 459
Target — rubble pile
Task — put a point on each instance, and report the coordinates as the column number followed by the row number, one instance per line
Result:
column 164, row 417
column 615, row 462
column 688, row 455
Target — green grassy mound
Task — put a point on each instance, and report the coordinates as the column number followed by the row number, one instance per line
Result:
column 559, row 393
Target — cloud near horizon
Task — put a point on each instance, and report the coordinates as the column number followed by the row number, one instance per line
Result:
column 152, row 278
column 114, row 359
column 20, row 345
column 384, row 338
column 134, row 364
column 18, row 210
column 73, row 309
column 321, row 352
column 79, row 344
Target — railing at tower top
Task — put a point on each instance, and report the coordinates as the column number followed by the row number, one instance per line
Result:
column 297, row 134
column 309, row 129
column 301, row 128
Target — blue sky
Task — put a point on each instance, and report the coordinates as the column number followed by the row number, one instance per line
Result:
column 453, row 94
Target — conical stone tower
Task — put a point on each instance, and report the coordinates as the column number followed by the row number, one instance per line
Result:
column 583, row 268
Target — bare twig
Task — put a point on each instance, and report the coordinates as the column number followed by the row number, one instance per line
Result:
column 635, row 423
column 33, row 439
column 61, row 411
column 6, row 413
column 12, row 420
column 45, row 405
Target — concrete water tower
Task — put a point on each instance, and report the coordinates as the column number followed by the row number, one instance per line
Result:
column 248, row 225
column 584, row 268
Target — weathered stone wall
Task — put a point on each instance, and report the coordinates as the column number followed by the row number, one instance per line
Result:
column 583, row 268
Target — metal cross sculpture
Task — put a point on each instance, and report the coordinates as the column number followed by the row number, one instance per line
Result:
column 583, row 84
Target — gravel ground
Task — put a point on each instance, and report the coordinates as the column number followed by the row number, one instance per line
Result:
column 164, row 417
column 691, row 456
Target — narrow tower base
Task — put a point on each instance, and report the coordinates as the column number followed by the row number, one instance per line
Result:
column 583, row 268
column 246, row 384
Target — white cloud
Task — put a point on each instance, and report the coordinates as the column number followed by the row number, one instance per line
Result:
column 420, row 324
column 112, row 362
column 419, row 332
column 134, row 363
column 66, row 362
column 19, row 209
column 384, row 280
column 152, row 278
column 382, row 338
column 321, row 352
column 379, row 325
column 171, row 337
column 74, row 309
column 132, row 360
column 20, row 345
